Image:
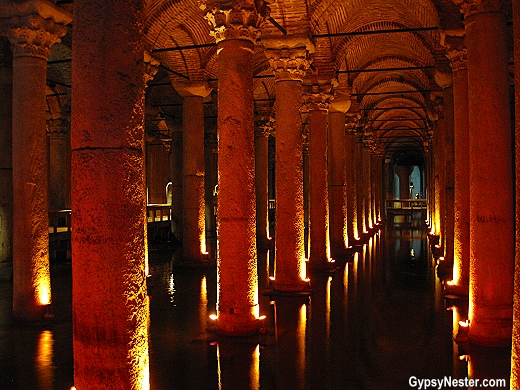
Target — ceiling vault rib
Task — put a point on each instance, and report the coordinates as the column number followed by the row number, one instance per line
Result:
column 373, row 32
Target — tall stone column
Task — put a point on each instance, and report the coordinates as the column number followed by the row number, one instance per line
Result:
column 403, row 172
column 194, row 216
column 367, row 187
column 236, row 30
column 337, row 174
column 350, row 150
column 6, row 163
column 491, row 190
column 31, row 36
column 318, row 102
column 515, row 352
column 360, row 182
column 210, row 181
column 457, row 53
column 262, row 132
column 58, row 131
column 289, row 59
column 109, row 302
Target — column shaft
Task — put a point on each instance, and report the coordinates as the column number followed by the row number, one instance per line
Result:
column 360, row 198
column 58, row 149
column 236, row 216
column 109, row 301
column 6, row 163
column 194, row 230
column 449, row 212
column 31, row 275
column 289, row 240
column 337, row 184
column 461, row 179
column 350, row 148
column 319, row 251
column 491, row 192
column 262, row 184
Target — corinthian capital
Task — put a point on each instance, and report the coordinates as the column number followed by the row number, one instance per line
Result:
column 317, row 97
column 290, row 57
column 33, row 26
column 472, row 7
column 453, row 42
column 235, row 19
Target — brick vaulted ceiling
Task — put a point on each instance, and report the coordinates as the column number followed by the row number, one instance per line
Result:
column 353, row 46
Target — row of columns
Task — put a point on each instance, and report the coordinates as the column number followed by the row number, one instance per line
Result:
column 471, row 193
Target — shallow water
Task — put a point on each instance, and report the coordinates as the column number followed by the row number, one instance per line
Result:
column 376, row 321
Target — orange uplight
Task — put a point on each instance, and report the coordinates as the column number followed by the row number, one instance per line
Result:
column 261, row 318
column 450, row 283
column 213, row 317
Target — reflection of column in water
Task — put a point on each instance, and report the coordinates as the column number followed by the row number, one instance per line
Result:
column 338, row 328
column 290, row 327
column 263, row 268
column 44, row 355
column 460, row 367
column 489, row 363
column 238, row 365
column 319, row 330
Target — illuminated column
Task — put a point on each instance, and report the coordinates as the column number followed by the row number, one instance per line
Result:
column 359, row 172
column 491, row 190
column 236, row 31
column 350, row 150
column 57, row 131
column 210, row 181
column 262, row 132
column 438, row 164
column 337, row 184
column 367, row 186
column 289, row 64
column 318, row 102
column 515, row 353
column 31, row 36
column 109, row 302
column 6, row 169
column 456, row 52
column 193, row 216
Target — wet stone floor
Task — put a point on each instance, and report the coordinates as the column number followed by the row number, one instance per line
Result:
column 376, row 322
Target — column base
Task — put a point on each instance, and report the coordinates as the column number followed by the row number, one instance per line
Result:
column 322, row 267
column 288, row 290
column 228, row 325
column 456, row 292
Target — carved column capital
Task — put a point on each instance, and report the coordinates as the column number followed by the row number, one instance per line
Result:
column 289, row 57
column 472, row 7
column 58, row 128
column 151, row 67
column 456, row 52
column 264, row 127
column 33, row 27
column 235, row 19
column 317, row 97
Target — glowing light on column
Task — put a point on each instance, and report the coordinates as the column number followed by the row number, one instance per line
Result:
column 42, row 282
column 202, row 225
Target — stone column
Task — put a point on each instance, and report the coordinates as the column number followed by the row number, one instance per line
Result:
column 443, row 77
column 337, row 174
column 491, row 190
column 515, row 353
column 317, row 100
column 236, row 30
column 289, row 61
column 58, row 131
column 456, row 52
column 210, row 181
column 367, row 187
column 31, row 36
column 6, row 163
column 262, row 132
column 193, row 216
column 359, row 172
column 110, row 303
column 350, row 150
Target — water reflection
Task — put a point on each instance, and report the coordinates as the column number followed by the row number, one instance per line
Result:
column 378, row 319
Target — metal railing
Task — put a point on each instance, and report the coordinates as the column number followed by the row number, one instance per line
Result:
column 405, row 205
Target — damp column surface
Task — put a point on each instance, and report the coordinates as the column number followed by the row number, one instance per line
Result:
column 109, row 301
